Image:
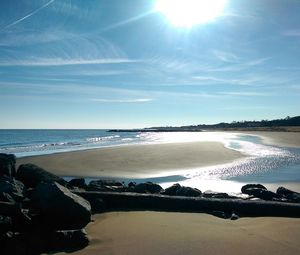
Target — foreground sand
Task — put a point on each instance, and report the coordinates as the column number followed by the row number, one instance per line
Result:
column 160, row 233
column 135, row 160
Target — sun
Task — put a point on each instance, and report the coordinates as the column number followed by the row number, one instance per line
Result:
column 186, row 13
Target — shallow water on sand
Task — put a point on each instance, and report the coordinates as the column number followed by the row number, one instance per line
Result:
column 264, row 164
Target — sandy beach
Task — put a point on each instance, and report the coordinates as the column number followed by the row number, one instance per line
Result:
column 135, row 160
column 151, row 233
column 288, row 139
column 118, row 233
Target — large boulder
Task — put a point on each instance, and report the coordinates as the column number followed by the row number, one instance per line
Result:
column 290, row 195
column 188, row 192
column 60, row 208
column 11, row 189
column 98, row 205
column 147, row 187
column 212, row 194
column 78, row 182
column 7, row 164
column 5, row 224
column 171, row 191
column 31, row 175
column 252, row 189
column 178, row 190
column 247, row 187
column 106, row 185
column 67, row 240
column 282, row 191
column 267, row 195
column 259, row 191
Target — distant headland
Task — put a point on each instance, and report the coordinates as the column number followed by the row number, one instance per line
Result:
column 288, row 124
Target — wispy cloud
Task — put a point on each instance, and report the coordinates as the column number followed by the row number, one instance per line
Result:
column 136, row 100
column 293, row 32
column 240, row 66
column 226, row 56
column 99, row 72
column 27, row 16
column 65, row 62
column 244, row 93
column 202, row 80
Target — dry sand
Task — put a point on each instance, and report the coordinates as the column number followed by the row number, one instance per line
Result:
column 135, row 160
column 160, row 233
column 288, row 139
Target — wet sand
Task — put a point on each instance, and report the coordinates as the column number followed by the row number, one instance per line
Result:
column 135, row 161
column 159, row 233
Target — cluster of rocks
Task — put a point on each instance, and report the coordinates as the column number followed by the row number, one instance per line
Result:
column 41, row 212
column 254, row 191
column 38, row 212
column 261, row 192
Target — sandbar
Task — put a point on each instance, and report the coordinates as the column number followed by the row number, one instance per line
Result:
column 281, row 139
column 135, row 161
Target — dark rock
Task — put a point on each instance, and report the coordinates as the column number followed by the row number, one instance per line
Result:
column 263, row 194
column 106, row 185
column 288, row 195
column 98, row 205
column 234, row 216
column 254, row 192
column 7, row 164
column 295, row 198
column 188, row 192
column 60, row 208
column 178, row 190
column 67, row 240
column 4, row 197
column 147, row 187
column 31, row 175
column 171, row 191
column 212, row 194
column 78, row 182
column 131, row 184
column 109, row 183
column 21, row 244
column 5, row 224
column 247, row 189
column 11, row 188
column 282, row 191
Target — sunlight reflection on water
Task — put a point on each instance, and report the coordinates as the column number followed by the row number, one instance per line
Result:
column 264, row 163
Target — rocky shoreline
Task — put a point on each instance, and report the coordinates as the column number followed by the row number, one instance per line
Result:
column 42, row 213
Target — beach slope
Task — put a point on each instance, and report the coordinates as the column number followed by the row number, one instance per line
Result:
column 158, row 233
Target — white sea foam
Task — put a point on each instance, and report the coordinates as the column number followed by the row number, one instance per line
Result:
column 101, row 139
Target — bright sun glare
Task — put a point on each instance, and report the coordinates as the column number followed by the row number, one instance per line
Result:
column 186, row 13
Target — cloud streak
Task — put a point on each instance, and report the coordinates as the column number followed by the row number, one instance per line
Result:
column 123, row 101
column 225, row 56
column 66, row 62
column 27, row 16
column 292, row 33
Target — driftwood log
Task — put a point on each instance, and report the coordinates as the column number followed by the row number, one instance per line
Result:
column 134, row 201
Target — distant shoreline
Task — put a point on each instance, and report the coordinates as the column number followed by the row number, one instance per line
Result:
column 184, row 129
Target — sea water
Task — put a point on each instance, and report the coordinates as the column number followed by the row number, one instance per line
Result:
column 262, row 163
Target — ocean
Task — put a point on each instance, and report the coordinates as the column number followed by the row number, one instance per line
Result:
column 263, row 164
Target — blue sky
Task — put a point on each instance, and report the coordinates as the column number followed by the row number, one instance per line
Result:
column 121, row 64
